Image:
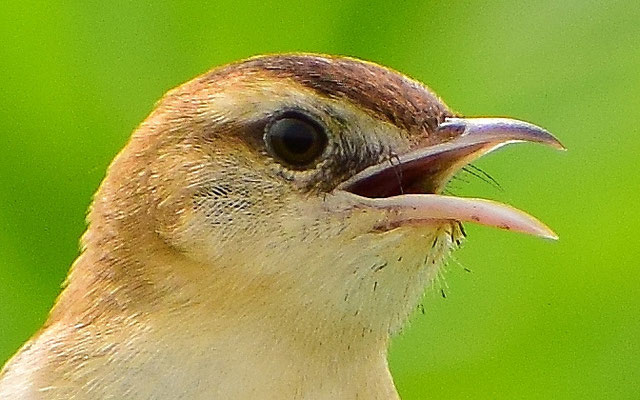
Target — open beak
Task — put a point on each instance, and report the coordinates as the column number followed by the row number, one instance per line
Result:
column 408, row 186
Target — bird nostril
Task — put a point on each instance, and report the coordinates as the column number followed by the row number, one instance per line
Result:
column 449, row 130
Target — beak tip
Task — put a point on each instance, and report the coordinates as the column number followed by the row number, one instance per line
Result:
column 552, row 236
column 555, row 143
column 546, row 233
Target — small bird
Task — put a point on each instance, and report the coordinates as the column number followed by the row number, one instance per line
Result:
column 264, row 233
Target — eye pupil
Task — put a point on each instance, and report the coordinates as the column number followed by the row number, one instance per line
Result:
column 295, row 135
column 295, row 140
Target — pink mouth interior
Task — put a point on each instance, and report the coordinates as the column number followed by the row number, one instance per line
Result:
column 419, row 175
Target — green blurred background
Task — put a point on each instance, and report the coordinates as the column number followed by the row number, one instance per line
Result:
column 534, row 319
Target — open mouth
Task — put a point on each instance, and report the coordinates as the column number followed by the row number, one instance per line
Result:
column 409, row 185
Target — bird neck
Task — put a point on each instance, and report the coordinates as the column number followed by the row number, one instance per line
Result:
column 252, row 358
column 164, row 317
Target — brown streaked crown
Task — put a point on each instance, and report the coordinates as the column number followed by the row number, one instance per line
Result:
column 387, row 94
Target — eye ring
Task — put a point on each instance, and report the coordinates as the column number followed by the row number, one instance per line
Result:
column 295, row 139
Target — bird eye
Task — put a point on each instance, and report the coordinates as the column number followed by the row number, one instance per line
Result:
column 295, row 139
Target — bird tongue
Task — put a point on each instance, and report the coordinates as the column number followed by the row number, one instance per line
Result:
column 425, row 208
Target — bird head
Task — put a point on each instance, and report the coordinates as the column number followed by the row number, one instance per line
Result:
column 303, row 191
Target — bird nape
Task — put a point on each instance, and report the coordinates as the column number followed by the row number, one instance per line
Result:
column 263, row 234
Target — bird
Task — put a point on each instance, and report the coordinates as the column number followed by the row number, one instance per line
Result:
column 264, row 233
